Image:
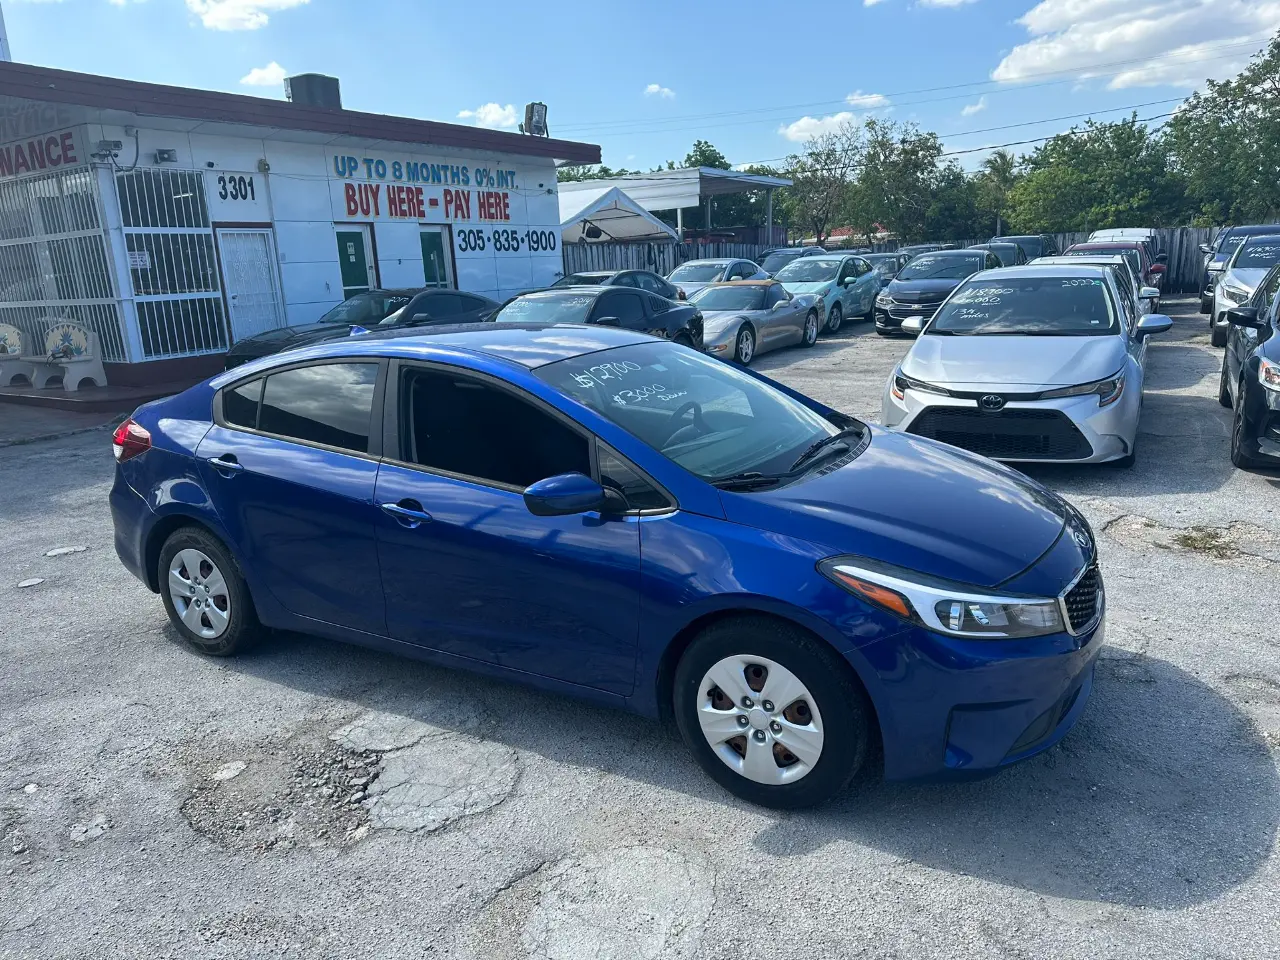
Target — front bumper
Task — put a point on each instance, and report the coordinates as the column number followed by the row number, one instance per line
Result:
column 890, row 320
column 1066, row 430
column 961, row 709
column 1218, row 315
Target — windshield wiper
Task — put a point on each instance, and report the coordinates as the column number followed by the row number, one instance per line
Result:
column 747, row 481
column 826, row 443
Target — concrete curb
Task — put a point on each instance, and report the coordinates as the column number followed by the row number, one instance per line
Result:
column 23, row 441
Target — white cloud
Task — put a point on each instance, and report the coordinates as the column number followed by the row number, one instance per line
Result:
column 867, row 101
column 238, row 14
column 1173, row 42
column 657, row 90
column 871, row 3
column 491, row 115
column 806, row 127
column 971, row 108
column 272, row 75
column 945, row 3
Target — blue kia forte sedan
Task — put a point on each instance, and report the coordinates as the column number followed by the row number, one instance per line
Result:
column 606, row 514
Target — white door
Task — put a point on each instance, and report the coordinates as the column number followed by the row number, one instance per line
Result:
column 252, row 286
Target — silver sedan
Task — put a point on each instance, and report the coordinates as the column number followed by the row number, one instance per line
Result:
column 746, row 318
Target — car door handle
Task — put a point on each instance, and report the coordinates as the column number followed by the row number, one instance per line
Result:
column 227, row 465
column 408, row 513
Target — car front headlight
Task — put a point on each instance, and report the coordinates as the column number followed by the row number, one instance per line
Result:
column 954, row 609
column 1233, row 294
column 1269, row 374
column 1108, row 390
column 884, row 300
column 902, row 383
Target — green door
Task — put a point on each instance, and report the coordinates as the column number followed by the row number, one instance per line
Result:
column 354, row 263
column 435, row 265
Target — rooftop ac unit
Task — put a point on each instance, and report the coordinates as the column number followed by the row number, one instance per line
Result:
column 313, row 90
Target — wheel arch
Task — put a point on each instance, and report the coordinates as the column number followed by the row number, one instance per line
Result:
column 164, row 528
column 666, row 668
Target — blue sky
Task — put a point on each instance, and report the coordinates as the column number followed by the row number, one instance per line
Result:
column 752, row 78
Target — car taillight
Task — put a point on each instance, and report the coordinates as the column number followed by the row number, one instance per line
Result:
column 130, row 440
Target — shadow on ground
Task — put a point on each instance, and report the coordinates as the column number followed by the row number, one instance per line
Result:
column 1164, row 795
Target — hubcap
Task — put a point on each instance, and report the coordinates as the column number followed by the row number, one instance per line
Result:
column 810, row 328
column 746, row 346
column 199, row 593
column 760, row 719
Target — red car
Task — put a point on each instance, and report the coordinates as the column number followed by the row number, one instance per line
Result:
column 1135, row 251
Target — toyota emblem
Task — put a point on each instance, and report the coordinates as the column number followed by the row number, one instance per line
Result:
column 991, row 402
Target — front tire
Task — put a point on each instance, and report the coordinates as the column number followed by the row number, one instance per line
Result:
column 1239, row 457
column 1218, row 335
column 1206, row 306
column 206, row 598
column 771, row 713
column 1224, row 389
column 834, row 319
column 744, row 348
column 810, row 336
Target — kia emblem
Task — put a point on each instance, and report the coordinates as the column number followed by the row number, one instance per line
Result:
column 991, row 402
column 1082, row 538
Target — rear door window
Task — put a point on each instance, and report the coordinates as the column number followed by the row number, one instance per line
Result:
column 625, row 307
column 240, row 404
column 330, row 404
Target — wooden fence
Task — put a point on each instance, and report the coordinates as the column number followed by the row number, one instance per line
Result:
column 1184, row 273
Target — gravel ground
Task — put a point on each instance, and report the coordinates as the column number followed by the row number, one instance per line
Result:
column 312, row 799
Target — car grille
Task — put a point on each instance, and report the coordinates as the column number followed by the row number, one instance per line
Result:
column 901, row 311
column 1007, row 435
column 1083, row 601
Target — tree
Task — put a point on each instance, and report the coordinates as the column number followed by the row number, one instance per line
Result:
column 602, row 172
column 996, row 179
column 954, row 211
column 1101, row 175
column 899, row 171
column 823, row 175
column 704, row 154
column 1226, row 143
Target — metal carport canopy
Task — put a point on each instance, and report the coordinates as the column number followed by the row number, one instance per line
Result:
column 676, row 189
column 616, row 214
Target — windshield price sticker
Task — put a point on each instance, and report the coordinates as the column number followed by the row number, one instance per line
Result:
column 1082, row 282
column 983, row 295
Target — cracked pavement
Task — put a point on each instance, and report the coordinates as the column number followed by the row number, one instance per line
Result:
column 312, row 799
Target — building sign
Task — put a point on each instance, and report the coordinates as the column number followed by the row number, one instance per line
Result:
column 374, row 188
column 236, row 196
column 42, row 153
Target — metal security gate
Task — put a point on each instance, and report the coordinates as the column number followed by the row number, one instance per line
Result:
column 249, row 280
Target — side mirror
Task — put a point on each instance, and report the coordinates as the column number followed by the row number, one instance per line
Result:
column 606, row 321
column 1153, row 323
column 420, row 318
column 913, row 325
column 1157, row 268
column 1245, row 317
column 1205, row 248
column 564, row 495
column 1149, row 293
column 780, row 303
column 1162, row 258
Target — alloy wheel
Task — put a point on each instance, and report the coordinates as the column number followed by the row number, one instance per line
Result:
column 746, row 345
column 760, row 719
column 834, row 319
column 199, row 593
column 811, row 329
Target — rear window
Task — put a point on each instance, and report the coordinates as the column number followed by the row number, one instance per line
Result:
column 329, row 404
column 1031, row 306
column 562, row 308
column 776, row 261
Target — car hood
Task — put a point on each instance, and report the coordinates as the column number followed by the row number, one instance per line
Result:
column 918, row 504
column 921, row 291
column 719, row 319
column 996, row 361
column 1247, row 277
column 282, row 337
column 819, row 288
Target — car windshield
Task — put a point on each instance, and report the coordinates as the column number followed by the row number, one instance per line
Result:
column 1228, row 243
column 1030, row 245
column 705, row 415
column 730, row 298
column 1007, row 252
column 808, row 270
column 365, row 308
column 1258, row 253
column 1033, row 306
column 547, row 308
column 581, row 279
column 885, row 263
column 697, row 272
column 779, row 259
column 937, row 266
column 1129, row 253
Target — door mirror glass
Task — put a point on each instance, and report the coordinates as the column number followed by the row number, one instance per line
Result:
column 913, row 324
column 1153, row 323
column 564, row 495
column 1245, row 317
column 1149, row 293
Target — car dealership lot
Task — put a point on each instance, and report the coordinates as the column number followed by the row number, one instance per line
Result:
column 314, row 799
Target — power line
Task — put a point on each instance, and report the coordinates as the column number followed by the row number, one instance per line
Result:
column 1072, row 75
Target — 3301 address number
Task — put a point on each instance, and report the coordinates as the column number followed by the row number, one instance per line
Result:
column 506, row 240
column 236, row 188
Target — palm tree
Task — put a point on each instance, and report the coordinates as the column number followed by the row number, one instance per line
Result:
column 999, row 170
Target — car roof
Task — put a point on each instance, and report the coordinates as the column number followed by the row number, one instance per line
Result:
column 1250, row 228
column 1121, row 242
column 1261, row 236
column 595, row 273
column 1064, row 259
column 1034, row 269
column 745, row 283
column 530, row 345
column 712, row 260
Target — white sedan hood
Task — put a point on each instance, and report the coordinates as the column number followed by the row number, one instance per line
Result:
column 1246, row 277
column 982, row 362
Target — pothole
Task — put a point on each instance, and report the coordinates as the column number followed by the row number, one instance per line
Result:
column 302, row 794
column 640, row 901
column 1125, row 666
column 1237, row 542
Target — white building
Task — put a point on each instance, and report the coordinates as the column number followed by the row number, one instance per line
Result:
column 173, row 221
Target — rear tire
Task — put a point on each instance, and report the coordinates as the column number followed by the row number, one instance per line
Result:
column 1218, row 335
column 207, row 600
column 1206, row 306
column 826, row 712
column 1224, row 389
column 834, row 319
column 1238, row 457
column 810, row 335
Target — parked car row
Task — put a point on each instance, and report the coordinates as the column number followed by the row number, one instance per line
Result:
column 1250, row 380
